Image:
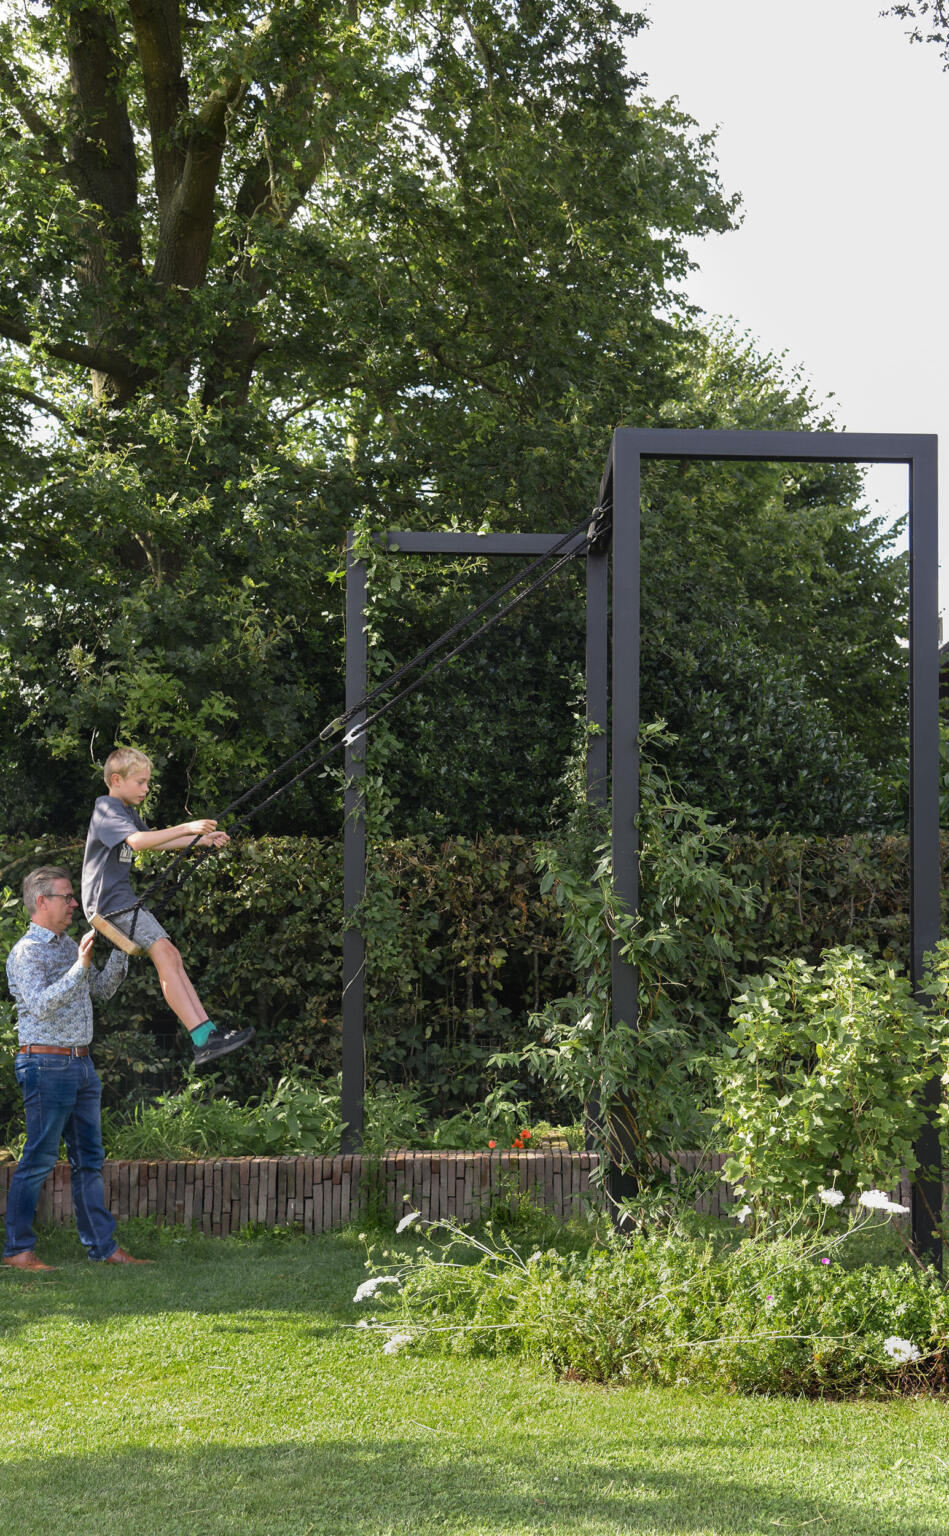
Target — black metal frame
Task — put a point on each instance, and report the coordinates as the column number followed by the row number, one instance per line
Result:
column 526, row 545
column 621, row 487
column 618, row 653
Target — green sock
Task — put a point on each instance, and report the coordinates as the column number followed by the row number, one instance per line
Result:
column 202, row 1034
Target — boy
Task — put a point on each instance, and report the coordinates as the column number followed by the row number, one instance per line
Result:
column 116, row 833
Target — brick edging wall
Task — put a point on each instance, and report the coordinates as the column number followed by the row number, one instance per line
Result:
column 222, row 1195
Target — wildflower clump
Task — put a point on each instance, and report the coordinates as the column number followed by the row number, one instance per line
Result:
column 773, row 1311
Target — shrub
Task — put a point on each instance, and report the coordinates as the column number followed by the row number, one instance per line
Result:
column 821, row 1080
column 642, row 1080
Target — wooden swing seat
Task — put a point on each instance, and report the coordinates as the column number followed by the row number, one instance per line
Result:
column 115, row 935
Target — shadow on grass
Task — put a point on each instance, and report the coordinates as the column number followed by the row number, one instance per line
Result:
column 280, row 1272
column 401, row 1486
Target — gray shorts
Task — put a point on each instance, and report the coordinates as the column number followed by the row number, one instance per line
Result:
column 147, row 928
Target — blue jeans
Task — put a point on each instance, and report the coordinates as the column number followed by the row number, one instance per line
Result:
column 63, row 1097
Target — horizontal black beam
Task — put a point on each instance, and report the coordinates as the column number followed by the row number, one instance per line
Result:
column 477, row 543
column 786, row 447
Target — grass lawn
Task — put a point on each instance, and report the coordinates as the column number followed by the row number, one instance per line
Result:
column 217, row 1392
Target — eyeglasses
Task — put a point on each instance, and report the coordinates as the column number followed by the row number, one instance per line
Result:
column 61, row 896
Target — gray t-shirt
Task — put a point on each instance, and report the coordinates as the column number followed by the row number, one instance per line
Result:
column 107, row 861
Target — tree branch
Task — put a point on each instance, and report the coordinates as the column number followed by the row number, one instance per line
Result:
column 157, row 26
column 187, row 223
column 103, row 146
column 41, row 404
column 184, row 245
column 260, row 196
column 90, row 355
column 32, row 117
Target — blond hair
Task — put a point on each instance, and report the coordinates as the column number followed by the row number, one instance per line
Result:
column 122, row 761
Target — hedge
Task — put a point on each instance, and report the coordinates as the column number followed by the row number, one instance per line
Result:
column 462, row 947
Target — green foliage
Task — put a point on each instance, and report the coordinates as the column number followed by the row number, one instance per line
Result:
column 821, row 1082
column 458, row 920
column 483, row 744
column 299, row 1115
column 641, row 1080
column 784, row 1313
column 294, row 1116
column 756, row 749
column 772, row 611
column 429, row 258
column 462, row 948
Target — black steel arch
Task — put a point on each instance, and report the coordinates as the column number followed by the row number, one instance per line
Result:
column 527, row 545
column 620, row 487
column 613, row 654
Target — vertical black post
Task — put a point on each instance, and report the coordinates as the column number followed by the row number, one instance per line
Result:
column 625, row 754
column 924, row 806
column 597, row 719
column 597, row 672
column 354, row 861
column 625, row 749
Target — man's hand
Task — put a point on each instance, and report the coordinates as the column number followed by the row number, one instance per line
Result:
column 197, row 828
column 85, row 949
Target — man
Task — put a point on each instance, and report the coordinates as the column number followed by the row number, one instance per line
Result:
column 54, row 983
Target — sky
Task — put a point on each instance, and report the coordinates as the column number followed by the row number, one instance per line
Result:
column 832, row 127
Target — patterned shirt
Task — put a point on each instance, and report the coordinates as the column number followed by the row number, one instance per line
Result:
column 53, row 992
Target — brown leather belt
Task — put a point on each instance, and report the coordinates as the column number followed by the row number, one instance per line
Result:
column 53, row 1050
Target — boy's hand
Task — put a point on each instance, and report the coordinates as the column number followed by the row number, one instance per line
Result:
column 214, row 840
column 85, row 949
column 196, row 828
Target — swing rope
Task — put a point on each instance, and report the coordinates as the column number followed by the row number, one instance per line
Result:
column 559, row 553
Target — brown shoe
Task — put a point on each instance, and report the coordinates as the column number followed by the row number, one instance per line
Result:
column 25, row 1259
column 119, row 1256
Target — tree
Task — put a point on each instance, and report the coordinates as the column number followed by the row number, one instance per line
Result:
column 267, row 271
column 772, row 611
column 930, row 20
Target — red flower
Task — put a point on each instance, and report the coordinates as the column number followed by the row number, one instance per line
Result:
column 492, row 1143
column 517, row 1142
column 526, row 1135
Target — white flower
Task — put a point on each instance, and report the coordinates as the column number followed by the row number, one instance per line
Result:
column 397, row 1341
column 535, row 1256
column 873, row 1199
column 831, row 1196
column 743, row 1214
column 900, row 1350
column 362, row 1323
column 369, row 1287
column 407, row 1220
column 876, row 1200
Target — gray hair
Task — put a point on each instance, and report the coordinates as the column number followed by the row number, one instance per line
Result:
column 40, row 882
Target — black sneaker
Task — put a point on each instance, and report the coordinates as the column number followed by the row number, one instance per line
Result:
column 222, row 1043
